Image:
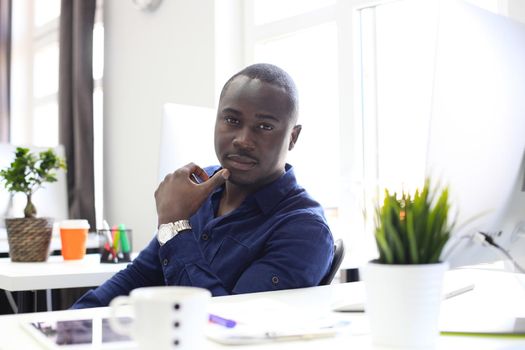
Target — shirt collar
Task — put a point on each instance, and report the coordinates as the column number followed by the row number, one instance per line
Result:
column 267, row 197
column 271, row 194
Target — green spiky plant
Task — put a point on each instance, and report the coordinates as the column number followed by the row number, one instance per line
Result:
column 413, row 229
column 28, row 172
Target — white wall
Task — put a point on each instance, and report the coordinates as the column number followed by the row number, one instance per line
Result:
column 150, row 59
column 180, row 53
column 516, row 10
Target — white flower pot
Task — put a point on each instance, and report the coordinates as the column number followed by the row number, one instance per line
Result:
column 403, row 303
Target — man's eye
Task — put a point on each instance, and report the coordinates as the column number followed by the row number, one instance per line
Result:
column 231, row 120
column 267, row 127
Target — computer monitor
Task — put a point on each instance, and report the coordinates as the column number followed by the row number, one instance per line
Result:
column 186, row 136
column 477, row 129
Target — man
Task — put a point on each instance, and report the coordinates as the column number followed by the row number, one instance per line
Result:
column 246, row 226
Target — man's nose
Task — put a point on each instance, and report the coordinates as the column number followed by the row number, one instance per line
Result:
column 243, row 139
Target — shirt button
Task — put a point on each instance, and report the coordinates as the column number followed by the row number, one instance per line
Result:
column 275, row 279
column 165, row 262
column 205, row 237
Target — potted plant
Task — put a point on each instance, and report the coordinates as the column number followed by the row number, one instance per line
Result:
column 404, row 285
column 29, row 237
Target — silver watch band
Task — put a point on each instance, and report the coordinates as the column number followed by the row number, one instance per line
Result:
column 181, row 225
column 170, row 230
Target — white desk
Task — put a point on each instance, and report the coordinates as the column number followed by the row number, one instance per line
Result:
column 55, row 273
column 490, row 286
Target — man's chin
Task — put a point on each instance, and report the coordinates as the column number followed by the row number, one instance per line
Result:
column 242, row 179
column 251, row 179
column 239, row 180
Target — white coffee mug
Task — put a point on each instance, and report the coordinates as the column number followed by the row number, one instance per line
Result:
column 168, row 317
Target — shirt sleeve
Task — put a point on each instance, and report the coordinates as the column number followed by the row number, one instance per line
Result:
column 145, row 270
column 292, row 258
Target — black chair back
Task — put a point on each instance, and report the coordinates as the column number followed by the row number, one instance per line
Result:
column 339, row 254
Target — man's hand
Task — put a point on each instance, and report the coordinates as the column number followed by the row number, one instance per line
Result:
column 179, row 196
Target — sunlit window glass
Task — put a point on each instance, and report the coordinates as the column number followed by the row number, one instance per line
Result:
column 45, row 11
column 272, row 10
column 45, row 125
column 489, row 5
column 98, row 51
column 310, row 56
column 45, row 71
column 400, row 70
column 98, row 104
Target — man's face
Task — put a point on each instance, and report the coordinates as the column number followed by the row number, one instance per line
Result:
column 254, row 131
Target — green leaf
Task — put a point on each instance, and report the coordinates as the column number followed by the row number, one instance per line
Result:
column 411, row 235
column 27, row 172
column 413, row 230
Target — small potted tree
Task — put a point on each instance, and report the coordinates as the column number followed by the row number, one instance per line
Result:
column 404, row 285
column 29, row 237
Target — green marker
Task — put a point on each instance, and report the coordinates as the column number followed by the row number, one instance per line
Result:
column 124, row 242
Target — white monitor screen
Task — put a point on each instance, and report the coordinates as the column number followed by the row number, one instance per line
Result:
column 187, row 135
column 477, row 129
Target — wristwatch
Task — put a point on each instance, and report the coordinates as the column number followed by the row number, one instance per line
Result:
column 170, row 230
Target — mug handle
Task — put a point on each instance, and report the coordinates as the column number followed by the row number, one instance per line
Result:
column 115, row 324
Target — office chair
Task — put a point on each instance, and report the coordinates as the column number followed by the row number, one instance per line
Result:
column 339, row 254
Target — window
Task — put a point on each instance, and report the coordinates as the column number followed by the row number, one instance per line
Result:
column 364, row 71
column 98, row 112
column 34, row 83
column 398, row 48
column 34, row 89
column 309, row 41
column 35, row 70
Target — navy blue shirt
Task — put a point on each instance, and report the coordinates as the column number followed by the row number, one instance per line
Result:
column 276, row 239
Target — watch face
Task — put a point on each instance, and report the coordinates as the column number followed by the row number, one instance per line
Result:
column 165, row 233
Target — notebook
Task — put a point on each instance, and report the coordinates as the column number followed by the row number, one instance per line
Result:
column 273, row 321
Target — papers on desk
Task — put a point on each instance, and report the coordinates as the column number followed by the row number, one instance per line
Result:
column 456, row 283
column 495, row 307
column 483, row 325
column 266, row 320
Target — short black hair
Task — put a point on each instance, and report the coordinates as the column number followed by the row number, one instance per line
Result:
column 270, row 74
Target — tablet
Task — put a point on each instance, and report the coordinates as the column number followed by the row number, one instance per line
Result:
column 79, row 334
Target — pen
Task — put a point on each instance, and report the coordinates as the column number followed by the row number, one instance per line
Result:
column 108, row 253
column 124, row 242
column 105, row 253
column 107, row 232
column 195, row 178
column 116, row 240
column 222, row 321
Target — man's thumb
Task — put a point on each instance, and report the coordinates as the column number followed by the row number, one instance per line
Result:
column 217, row 179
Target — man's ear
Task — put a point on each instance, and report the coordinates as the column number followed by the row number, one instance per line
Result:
column 295, row 135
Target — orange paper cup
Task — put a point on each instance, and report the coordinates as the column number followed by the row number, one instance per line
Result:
column 73, row 235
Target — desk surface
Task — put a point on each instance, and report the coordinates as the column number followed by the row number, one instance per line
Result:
column 503, row 287
column 55, row 273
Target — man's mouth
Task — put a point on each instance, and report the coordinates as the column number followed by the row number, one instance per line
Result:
column 240, row 162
